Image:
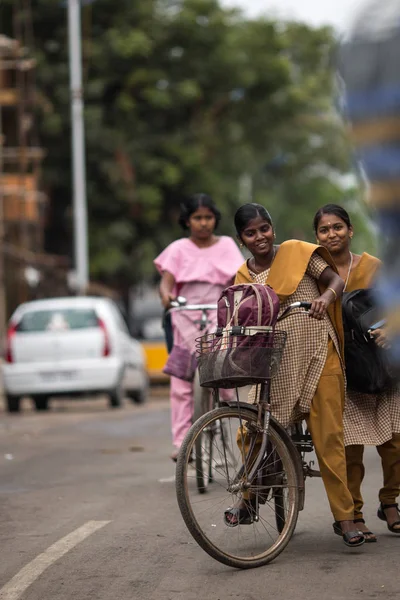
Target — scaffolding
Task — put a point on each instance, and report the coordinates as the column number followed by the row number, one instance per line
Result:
column 26, row 271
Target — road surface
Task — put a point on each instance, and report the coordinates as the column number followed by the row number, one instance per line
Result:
column 88, row 511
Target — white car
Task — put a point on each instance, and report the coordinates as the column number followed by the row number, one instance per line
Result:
column 71, row 346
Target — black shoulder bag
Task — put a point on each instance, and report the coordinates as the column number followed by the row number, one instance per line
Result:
column 367, row 366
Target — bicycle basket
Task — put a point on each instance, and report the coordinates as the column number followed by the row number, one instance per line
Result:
column 230, row 359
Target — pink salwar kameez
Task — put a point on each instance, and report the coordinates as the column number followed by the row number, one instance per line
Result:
column 200, row 275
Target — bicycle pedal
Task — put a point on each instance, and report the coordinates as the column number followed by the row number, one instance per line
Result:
column 312, row 472
column 304, row 445
column 306, row 448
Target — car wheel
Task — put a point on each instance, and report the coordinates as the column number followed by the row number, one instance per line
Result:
column 13, row 403
column 41, row 403
column 137, row 396
column 116, row 397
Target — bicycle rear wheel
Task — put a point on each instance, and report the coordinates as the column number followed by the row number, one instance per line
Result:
column 246, row 545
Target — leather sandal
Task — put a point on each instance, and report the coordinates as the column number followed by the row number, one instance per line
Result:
column 382, row 516
column 240, row 516
column 372, row 537
column 357, row 536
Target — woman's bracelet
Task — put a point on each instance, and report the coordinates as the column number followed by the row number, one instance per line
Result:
column 332, row 290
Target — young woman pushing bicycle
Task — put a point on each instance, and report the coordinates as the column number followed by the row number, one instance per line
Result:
column 310, row 381
column 197, row 267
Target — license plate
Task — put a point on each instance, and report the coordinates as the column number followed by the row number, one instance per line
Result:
column 58, row 375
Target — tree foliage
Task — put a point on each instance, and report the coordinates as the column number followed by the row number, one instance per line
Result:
column 180, row 97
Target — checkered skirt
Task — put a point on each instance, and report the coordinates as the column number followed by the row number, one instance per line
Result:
column 371, row 419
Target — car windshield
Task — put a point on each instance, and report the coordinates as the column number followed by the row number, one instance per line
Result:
column 57, row 320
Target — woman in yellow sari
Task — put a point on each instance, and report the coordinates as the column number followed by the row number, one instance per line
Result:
column 310, row 382
column 369, row 419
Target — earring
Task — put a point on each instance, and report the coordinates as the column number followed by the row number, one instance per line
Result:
column 241, row 245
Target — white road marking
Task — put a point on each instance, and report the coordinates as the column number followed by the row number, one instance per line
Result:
column 163, row 480
column 28, row 574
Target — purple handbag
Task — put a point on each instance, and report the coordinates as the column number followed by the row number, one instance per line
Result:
column 181, row 363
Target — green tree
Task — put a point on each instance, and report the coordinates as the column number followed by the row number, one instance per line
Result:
column 309, row 161
column 183, row 97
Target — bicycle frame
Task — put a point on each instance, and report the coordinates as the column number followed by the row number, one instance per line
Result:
column 204, row 308
column 264, row 417
column 203, row 400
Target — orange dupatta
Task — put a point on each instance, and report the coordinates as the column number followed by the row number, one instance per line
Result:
column 364, row 274
column 288, row 269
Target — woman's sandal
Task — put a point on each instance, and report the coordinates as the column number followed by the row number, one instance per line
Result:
column 348, row 536
column 370, row 537
column 240, row 516
column 382, row 516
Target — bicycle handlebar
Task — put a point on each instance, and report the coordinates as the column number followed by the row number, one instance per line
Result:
column 377, row 325
column 178, row 305
column 305, row 305
column 192, row 307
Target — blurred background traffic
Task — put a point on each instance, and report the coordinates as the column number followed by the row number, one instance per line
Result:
column 111, row 113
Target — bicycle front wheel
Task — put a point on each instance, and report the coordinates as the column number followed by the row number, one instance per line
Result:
column 247, row 545
column 203, row 403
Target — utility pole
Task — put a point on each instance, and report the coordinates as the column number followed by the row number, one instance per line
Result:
column 3, row 307
column 78, row 146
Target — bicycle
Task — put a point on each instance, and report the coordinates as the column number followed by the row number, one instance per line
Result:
column 205, row 399
column 272, row 471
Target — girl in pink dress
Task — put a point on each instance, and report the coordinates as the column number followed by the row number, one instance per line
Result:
column 198, row 267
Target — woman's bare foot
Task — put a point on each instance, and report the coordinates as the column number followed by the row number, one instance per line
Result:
column 361, row 526
column 347, row 526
